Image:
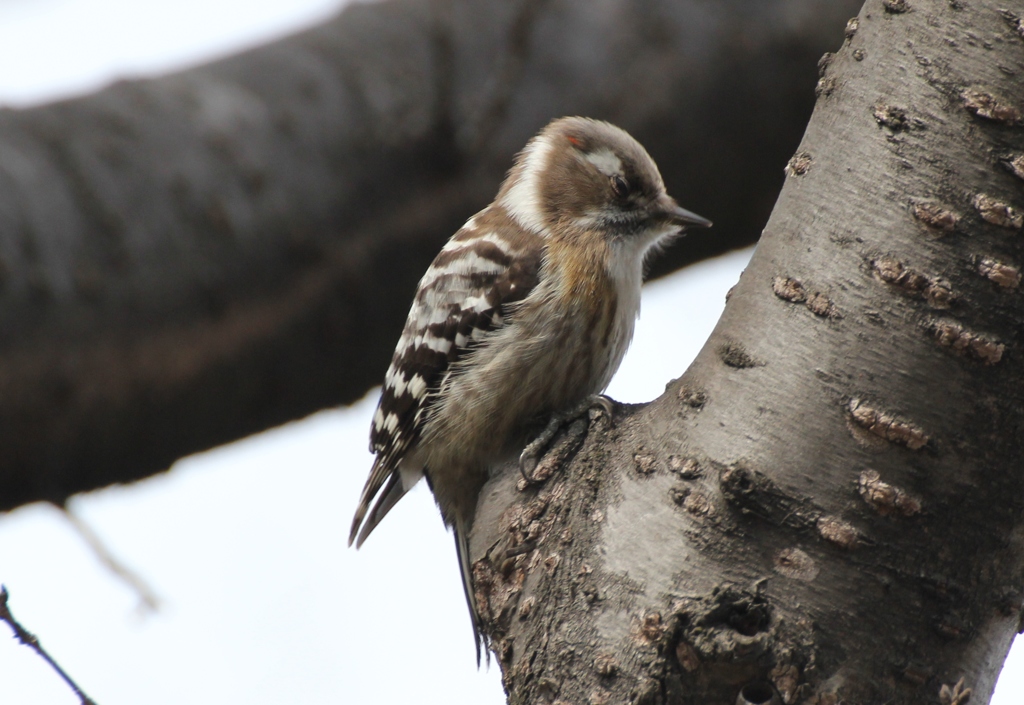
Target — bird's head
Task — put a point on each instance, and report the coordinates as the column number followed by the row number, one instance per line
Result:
column 580, row 174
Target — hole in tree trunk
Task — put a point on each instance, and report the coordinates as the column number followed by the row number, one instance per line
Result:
column 757, row 694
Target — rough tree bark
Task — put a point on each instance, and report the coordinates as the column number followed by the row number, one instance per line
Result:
column 188, row 260
column 828, row 506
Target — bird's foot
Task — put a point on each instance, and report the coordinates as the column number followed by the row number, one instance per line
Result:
column 532, row 453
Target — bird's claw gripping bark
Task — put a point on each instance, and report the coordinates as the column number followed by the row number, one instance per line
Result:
column 532, row 453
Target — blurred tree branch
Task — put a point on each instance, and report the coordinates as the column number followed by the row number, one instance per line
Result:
column 191, row 259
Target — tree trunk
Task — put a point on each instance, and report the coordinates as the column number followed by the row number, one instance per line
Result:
column 828, row 506
column 187, row 260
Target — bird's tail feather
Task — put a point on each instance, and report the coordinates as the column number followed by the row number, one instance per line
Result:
column 462, row 551
column 388, row 498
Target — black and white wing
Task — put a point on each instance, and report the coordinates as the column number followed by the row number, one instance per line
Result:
column 468, row 291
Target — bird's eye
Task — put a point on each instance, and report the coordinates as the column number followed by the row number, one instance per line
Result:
column 620, row 186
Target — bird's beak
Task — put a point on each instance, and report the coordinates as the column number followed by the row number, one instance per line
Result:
column 679, row 215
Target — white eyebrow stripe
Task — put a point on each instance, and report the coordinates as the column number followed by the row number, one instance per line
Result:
column 606, row 161
column 523, row 200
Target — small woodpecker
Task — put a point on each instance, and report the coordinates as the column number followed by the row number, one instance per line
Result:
column 524, row 315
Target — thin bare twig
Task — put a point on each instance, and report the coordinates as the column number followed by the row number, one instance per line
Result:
column 148, row 600
column 29, row 639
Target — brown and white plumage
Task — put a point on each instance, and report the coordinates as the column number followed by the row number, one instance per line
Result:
column 471, row 290
column 524, row 313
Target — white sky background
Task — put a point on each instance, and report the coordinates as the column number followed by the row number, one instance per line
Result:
column 261, row 601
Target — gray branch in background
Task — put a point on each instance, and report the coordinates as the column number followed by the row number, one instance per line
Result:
column 191, row 259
